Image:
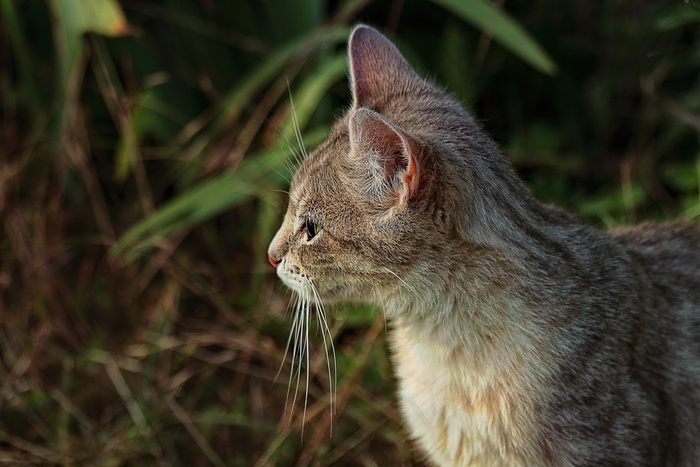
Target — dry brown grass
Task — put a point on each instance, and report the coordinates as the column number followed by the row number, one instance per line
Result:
column 141, row 177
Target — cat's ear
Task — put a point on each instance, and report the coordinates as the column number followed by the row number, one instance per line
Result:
column 385, row 155
column 377, row 67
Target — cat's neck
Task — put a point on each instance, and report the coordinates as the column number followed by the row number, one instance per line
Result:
column 490, row 364
column 468, row 322
column 474, row 346
column 477, row 292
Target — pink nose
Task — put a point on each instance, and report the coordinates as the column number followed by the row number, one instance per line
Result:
column 274, row 262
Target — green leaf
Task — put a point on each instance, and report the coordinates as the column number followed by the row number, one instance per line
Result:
column 288, row 20
column 152, row 114
column 678, row 16
column 103, row 17
column 612, row 207
column 235, row 102
column 505, row 30
column 312, row 91
column 256, row 175
column 76, row 17
column 454, row 62
column 27, row 84
column 239, row 97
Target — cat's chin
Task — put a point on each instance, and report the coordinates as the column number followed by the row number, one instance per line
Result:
column 338, row 293
column 318, row 295
column 321, row 299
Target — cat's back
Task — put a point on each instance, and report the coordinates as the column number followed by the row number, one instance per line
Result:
column 668, row 344
column 670, row 255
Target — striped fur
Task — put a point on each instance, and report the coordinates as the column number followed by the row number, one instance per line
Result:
column 521, row 336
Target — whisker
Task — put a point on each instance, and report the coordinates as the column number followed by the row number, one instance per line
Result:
column 291, row 304
column 295, row 123
column 299, row 347
column 325, row 330
column 291, row 168
column 297, row 327
column 409, row 287
column 285, row 177
column 297, row 159
column 308, row 366
column 383, row 307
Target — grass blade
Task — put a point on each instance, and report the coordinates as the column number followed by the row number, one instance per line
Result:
column 506, row 31
column 258, row 174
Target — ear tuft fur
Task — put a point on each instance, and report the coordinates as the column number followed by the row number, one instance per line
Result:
column 384, row 156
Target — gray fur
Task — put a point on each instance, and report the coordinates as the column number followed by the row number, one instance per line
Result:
column 600, row 329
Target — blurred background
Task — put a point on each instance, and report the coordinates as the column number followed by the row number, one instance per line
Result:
column 145, row 150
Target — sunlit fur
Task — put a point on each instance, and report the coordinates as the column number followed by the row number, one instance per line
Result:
column 521, row 336
column 306, row 297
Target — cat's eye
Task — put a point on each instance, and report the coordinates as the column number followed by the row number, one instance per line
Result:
column 310, row 229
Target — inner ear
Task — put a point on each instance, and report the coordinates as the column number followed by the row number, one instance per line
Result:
column 396, row 161
column 378, row 144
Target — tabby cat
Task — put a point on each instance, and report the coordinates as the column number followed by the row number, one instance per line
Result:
column 521, row 336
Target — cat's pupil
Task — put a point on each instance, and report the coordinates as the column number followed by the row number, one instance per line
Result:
column 310, row 229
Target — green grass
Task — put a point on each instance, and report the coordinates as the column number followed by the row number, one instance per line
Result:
column 145, row 150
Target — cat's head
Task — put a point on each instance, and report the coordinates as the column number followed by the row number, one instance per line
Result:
column 385, row 203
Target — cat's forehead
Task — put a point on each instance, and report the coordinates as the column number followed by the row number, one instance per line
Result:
column 312, row 185
column 303, row 182
column 297, row 193
column 309, row 187
column 318, row 175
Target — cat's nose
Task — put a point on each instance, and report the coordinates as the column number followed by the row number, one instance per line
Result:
column 273, row 261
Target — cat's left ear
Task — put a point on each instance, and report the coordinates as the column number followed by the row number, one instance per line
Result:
column 377, row 68
column 387, row 156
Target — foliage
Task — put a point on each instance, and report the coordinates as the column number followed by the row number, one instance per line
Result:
column 145, row 149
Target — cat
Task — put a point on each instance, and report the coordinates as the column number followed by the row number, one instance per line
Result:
column 520, row 335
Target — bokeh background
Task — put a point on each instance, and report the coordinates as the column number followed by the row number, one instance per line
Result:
column 145, row 150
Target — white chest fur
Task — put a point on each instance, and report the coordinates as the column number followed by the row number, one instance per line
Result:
column 468, row 408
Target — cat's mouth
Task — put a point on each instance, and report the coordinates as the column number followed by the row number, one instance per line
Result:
column 309, row 288
column 302, row 284
column 303, row 288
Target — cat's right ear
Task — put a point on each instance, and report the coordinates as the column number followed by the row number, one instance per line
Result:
column 385, row 158
column 377, row 68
